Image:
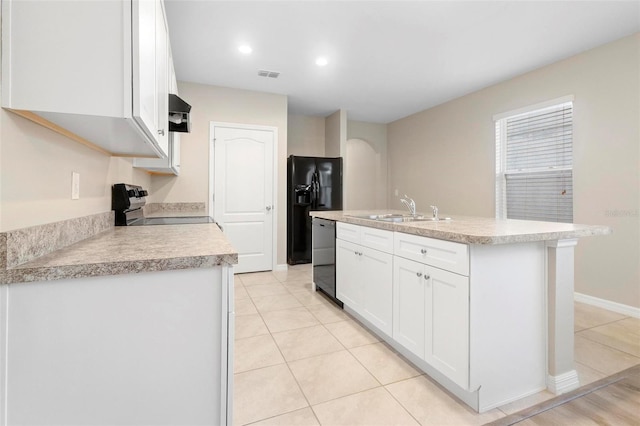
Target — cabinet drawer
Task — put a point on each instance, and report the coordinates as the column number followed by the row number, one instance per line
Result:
column 348, row 232
column 445, row 255
column 378, row 239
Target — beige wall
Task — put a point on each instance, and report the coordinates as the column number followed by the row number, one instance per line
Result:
column 305, row 135
column 36, row 166
column 335, row 132
column 445, row 156
column 365, row 166
column 221, row 104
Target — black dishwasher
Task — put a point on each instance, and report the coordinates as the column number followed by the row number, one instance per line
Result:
column 323, row 244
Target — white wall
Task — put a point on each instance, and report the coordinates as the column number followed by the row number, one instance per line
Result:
column 222, row 104
column 365, row 166
column 445, row 156
column 305, row 135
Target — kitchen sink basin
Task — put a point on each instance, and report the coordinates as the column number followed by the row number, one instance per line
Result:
column 395, row 217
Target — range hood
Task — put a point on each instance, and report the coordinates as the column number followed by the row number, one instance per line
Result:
column 179, row 119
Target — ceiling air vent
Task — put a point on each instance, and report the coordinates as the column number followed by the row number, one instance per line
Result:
column 270, row 74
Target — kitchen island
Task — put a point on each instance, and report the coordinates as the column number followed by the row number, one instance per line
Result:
column 484, row 306
column 132, row 325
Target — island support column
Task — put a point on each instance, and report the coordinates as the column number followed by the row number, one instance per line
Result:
column 561, row 373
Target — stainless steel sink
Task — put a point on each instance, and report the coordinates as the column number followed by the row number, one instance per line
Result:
column 396, row 217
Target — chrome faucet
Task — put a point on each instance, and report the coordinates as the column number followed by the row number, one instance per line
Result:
column 411, row 205
column 435, row 212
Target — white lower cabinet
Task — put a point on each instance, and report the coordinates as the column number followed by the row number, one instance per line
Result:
column 409, row 305
column 431, row 316
column 447, row 324
column 364, row 277
column 148, row 348
column 348, row 288
column 472, row 317
column 397, row 288
column 376, row 271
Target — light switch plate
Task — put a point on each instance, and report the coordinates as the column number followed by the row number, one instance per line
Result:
column 75, row 185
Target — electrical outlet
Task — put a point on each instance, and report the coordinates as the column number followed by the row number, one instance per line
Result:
column 75, row 185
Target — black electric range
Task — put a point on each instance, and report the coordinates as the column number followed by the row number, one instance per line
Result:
column 127, row 202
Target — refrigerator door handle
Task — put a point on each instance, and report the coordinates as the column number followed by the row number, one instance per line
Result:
column 314, row 190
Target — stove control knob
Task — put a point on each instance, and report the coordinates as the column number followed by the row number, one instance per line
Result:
column 131, row 193
column 143, row 193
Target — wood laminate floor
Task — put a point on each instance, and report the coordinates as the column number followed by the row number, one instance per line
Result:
column 614, row 400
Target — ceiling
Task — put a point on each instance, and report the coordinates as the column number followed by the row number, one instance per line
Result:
column 386, row 59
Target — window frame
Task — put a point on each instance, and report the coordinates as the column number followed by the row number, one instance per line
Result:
column 501, row 173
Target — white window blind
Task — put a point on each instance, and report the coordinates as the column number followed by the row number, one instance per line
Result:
column 534, row 162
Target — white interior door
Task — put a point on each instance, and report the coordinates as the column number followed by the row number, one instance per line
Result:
column 243, row 192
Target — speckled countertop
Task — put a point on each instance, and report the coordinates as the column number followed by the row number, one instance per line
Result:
column 473, row 230
column 124, row 250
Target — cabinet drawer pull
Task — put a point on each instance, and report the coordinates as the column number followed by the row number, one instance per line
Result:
column 423, row 251
column 419, row 274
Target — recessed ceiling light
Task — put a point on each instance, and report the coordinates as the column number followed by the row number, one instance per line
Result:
column 321, row 61
column 245, row 49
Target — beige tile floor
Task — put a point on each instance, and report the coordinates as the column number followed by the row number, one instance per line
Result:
column 299, row 360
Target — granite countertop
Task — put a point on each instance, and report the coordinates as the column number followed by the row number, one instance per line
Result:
column 472, row 230
column 124, row 250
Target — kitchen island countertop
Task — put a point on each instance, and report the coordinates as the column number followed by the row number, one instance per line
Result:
column 125, row 250
column 471, row 230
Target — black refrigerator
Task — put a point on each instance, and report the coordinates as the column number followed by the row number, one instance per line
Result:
column 314, row 183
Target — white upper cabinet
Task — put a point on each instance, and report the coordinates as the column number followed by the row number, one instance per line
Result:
column 171, row 164
column 96, row 71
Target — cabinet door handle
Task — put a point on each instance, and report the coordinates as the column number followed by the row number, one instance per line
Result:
column 423, row 251
column 427, row 277
column 419, row 274
column 161, row 132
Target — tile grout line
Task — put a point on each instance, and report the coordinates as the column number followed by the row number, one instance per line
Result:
column 294, row 376
column 344, row 348
column 349, row 350
column 286, row 363
column 382, row 385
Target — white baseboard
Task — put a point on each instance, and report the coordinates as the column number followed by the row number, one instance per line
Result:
column 607, row 304
column 563, row 383
column 281, row 267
